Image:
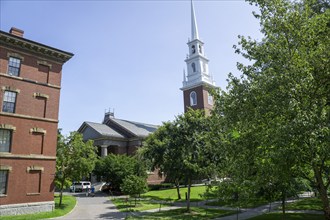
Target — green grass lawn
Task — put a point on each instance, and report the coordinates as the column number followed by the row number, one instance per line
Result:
column 180, row 214
column 288, row 216
column 305, row 204
column 141, row 205
column 171, row 194
column 247, row 204
column 68, row 203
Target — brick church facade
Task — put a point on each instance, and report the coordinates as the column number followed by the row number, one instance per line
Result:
column 30, row 83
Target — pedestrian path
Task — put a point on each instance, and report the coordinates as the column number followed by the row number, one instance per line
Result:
column 97, row 207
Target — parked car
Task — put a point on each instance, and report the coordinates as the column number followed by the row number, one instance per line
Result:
column 80, row 186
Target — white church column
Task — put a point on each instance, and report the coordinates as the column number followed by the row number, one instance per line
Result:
column 104, row 150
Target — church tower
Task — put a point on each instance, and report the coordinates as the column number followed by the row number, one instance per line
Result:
column 197, row 81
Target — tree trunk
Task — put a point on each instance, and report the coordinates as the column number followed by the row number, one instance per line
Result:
column 61, row 193
column 283, row 204
column 178, row 189
column 188, row 195
column 323, row 193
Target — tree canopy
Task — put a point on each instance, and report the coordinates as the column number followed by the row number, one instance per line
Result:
column 75, row 159
column 180, row 151
column 115, row 168
column 276, row 115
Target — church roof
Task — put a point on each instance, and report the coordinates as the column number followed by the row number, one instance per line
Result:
column 137, row 128
column 104, row 130
column 116, row 128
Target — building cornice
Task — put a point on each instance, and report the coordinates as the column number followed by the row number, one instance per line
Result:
column 26, row 156
column 34, row 47
column 196, row 57
column 201, row 83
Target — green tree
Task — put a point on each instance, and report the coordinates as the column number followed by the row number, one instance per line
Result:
column 279, row 108
column 134, row 186
column 115, row 168
column 75, row 159
column 156, row 151
column 179, row 149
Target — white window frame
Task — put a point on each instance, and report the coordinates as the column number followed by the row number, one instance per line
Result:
column 14, row 64
column 193, row 98
column 209, row 99
column 8, row 98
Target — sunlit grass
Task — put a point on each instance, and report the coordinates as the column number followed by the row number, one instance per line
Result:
column 181, row 214
column 252, row 203
column 288, row 216
column 171, row 194
column 141, row 204
column 305, row 204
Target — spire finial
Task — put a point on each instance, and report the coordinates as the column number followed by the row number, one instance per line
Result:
column 194, row 29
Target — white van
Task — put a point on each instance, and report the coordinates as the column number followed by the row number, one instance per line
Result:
column 80, row 186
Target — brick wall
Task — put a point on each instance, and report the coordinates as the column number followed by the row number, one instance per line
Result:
column 31, row 160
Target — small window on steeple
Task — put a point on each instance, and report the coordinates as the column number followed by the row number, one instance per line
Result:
column 200, row 48
column 193, row 66
column 193, row 49
column 193, row 98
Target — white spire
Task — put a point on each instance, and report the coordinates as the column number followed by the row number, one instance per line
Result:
column 194, row 29
column 184, row 75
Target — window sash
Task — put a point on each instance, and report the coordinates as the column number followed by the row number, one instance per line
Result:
column 9, row 101
column 14, row 65
column 5, row 140
column 3, row 181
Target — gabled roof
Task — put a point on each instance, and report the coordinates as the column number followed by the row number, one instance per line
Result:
column 116, row 128
column 103, row 130
column 136, row 128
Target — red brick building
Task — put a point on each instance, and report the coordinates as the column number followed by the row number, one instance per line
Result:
column 30, row 83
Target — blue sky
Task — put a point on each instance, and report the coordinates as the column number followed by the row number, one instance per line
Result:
column 129, row 55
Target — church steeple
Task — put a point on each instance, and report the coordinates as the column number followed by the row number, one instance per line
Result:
column 194, row 29
column 197, row 81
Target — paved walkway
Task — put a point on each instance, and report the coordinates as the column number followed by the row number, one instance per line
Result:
column 97, row 207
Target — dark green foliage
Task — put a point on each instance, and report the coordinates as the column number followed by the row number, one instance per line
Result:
column 180, row 150
column 161, row 186
column 115, row 168
column 75, row 159
column 273, row 123
column 134, row 186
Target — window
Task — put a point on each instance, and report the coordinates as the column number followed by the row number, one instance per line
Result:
column 3, row 182
column 14, row 66
column 193, row 66
column 209, row 99
column 5, row 140
column 200, row 49
column 193, row 50
column 193, row 98
column 9, row 100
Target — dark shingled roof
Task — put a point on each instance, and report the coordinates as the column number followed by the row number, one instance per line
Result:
column 104, row 130
column 137, row 128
